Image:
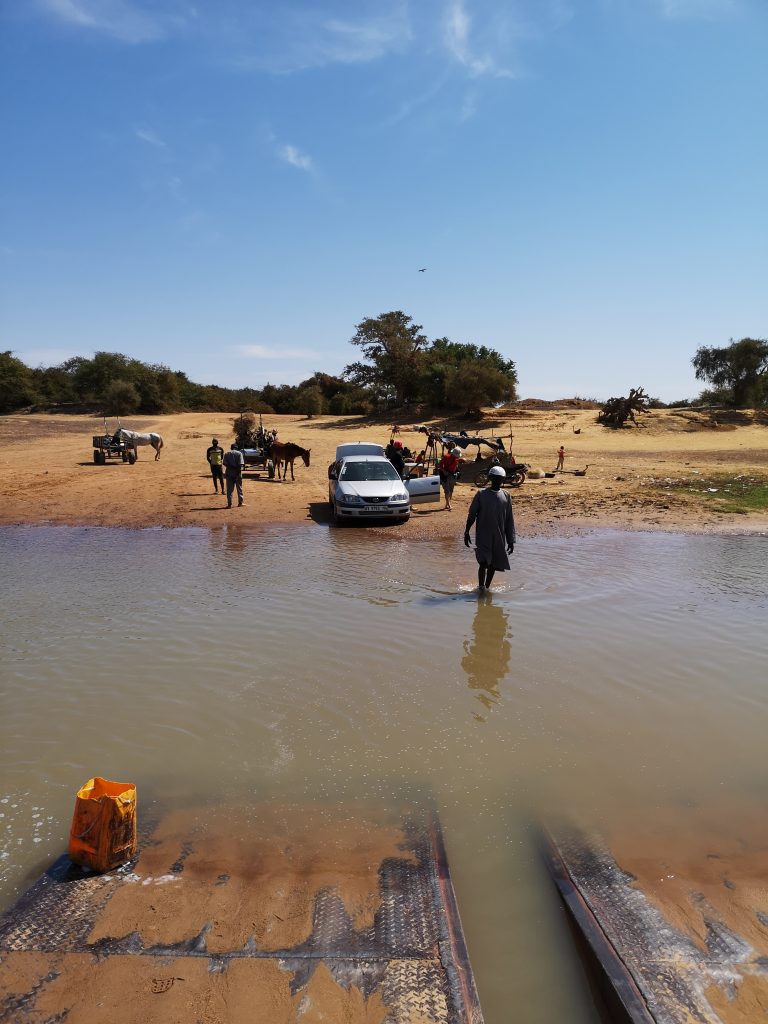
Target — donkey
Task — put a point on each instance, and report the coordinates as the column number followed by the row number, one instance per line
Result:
column 286, row 452
column 131, row 437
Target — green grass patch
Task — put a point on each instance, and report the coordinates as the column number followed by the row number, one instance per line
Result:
column 740, row 494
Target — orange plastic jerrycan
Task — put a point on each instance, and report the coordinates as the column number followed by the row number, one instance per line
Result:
column 103, row 833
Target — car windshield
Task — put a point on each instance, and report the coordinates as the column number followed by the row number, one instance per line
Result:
column 368, row 471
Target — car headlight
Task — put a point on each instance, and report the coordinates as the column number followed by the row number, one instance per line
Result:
column 349, row 499
column 400, row 496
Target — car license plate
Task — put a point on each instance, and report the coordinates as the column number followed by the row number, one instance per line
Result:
column 374, row 508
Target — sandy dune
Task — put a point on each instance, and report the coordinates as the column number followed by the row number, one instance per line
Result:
column 47, row 474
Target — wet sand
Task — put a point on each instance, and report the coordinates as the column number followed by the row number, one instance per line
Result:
column 276, row 864
column 47, row 474
column 244, row 882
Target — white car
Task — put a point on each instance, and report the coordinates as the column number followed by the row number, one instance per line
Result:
column 362, row 483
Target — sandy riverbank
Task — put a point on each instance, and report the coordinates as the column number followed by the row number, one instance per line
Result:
column 47, row 474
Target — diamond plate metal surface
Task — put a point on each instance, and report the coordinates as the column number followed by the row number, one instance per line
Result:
column 670, row 971
column 413, row 954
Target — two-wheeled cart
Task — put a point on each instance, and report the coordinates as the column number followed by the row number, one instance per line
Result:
column 105, row 447
column 258, row 460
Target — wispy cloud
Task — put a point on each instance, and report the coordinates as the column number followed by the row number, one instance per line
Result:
column 293, row 156
column 150, row 137
column 457, row 37
column 408, row 106
column 129, row 22
column 266, row 352
column 284, row 39
column 708, row 10
column 353, row 42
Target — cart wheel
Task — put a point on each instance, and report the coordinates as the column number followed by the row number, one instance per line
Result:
column 96, row 456
column 481, row 480
column 270, row 469
column 131, row 457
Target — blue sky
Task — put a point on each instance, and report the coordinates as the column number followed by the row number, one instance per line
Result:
column 229, row 187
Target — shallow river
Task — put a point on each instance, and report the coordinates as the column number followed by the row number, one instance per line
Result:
column 608, row 676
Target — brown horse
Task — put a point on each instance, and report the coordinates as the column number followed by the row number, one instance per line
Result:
column 286, row 452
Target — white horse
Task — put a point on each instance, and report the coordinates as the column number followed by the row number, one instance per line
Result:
column 131, row 437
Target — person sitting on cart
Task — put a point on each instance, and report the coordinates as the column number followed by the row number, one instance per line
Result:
column 215, row 459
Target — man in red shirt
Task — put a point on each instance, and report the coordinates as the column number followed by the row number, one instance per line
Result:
column 448, row 468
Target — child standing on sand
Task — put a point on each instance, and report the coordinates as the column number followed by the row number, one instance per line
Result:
column 560, row 458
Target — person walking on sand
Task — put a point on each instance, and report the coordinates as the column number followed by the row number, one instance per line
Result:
column 215, row 457
column 560, row 458
column 495, row 531
column 447, row 470
column 233, row 468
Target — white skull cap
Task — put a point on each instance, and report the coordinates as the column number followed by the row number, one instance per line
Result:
column 496, row 471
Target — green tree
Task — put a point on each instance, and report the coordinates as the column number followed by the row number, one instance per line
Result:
column 739, row 371
column 158, row 386
column 440, row 383
column 17, row 383
column 92, row 377
column 310, row 401
column 470, row 386
column 121, row 398
column 327, row 383
column 393, row 347
column 54, row 385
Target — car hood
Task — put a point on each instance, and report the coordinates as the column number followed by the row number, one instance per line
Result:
column 371, row 488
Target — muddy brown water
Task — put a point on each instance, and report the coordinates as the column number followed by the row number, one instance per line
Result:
column 610, row 677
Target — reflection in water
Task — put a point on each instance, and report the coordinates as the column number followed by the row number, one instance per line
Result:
column 487, row 653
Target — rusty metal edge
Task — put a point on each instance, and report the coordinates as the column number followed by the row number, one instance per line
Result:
column 459, row 956
column 616, row 977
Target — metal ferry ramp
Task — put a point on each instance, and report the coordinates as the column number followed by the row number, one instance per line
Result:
column 691, row 949
column 203, row 927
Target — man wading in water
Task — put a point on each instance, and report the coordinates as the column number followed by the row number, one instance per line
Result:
column 495, row 531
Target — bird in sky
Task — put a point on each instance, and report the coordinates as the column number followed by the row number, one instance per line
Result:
column 422, row 269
